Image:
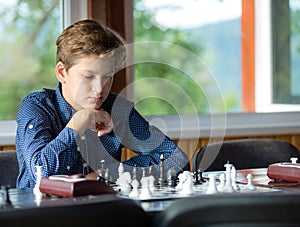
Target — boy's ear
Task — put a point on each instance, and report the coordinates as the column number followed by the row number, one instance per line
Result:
column 61, row 72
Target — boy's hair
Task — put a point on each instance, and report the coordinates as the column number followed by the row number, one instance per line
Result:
column 87, row 37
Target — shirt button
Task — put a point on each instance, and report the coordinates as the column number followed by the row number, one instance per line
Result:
column 30, row 126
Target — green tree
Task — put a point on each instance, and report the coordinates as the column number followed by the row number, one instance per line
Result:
column 147, row 29
column 29, row 28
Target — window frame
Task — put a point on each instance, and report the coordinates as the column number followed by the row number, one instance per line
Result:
column 264, row 62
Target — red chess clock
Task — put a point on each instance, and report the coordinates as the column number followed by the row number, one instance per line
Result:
column 285, row 171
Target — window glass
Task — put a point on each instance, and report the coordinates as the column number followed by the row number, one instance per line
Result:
column 295, row 48
column 286, row 51
column 28, row 32
column 188, row 56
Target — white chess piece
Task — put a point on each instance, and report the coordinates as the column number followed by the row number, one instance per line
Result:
column 145, row 191
column 294, row 160
column 135, row 189
column 221, row 185
column 124, row 182
column 36, row 189
column 120, row 169
column 250, row 185
column 151, row 183
column 233, row 179
column 212, row 188
column 228, row 184
column 181, row 181
column 188, row 184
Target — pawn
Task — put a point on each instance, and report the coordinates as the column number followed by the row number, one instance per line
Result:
column 212, row 188
column 250, row 185
column 145, row 191
column 135, row 189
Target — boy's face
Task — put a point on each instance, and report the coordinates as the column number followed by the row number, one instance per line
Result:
column 87, row 83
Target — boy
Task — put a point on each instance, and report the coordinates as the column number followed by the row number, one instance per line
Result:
column 72, row 129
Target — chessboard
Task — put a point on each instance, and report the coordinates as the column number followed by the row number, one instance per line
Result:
column 187, row 185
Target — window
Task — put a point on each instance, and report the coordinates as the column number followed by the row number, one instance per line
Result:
column 29, row 30
column 214, row 34
column 277, row 54
column 286, row 51
column 194, row 65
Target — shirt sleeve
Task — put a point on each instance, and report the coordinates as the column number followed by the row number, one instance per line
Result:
column 42, row 140
column 149, row 143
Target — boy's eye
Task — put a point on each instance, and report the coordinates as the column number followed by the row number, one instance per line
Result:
column 89, row 76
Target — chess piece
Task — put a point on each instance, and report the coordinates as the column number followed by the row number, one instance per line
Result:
column 172, row 177
column 135, row 189
column 212, row 188
column 186, row 184
column 250, row 185
column 4, row 197
column 228, row 183
column 121, row 169
column 221, row 185
column 134, row 173
column 161, row 179
column 294, row 160
column 233, row 179
column 36, row 189
column 153, row 172
column 151, row 183
column 124, row 182
column 145, row 190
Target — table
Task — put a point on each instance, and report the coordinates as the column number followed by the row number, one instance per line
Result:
column 25, row 199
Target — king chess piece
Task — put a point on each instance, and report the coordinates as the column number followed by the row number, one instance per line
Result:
column 161, row 179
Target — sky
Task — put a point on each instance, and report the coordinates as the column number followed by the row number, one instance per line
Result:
column 193, row 13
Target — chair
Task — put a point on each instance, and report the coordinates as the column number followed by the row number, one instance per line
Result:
column 110, row 212
column 9, row 168
column 264, row 209
column 243, row 154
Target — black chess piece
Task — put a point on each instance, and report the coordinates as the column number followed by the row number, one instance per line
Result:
column 161, row 179
column 7, row 201
column 172, row 177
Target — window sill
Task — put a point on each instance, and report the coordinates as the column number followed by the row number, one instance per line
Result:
column 193, row 127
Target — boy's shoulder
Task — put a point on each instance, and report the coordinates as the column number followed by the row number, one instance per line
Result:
column 45, row 94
